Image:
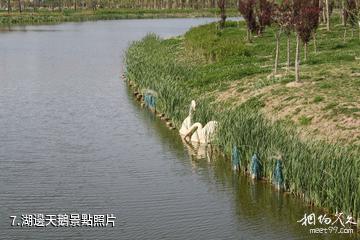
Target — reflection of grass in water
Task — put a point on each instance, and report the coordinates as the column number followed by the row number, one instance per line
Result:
column 259, row 203
column 321, row 173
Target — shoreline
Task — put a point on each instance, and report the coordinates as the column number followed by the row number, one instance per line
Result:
column 306, row 163
column 138, row 97
column 49, row 17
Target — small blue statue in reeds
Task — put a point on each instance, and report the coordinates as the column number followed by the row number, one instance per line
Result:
column 278, row 178
column 255, row 167
column 235, row 159
column 150, row 101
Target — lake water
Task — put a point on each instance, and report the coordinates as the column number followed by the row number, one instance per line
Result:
column 72, row 140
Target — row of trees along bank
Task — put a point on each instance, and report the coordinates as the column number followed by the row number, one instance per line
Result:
column 295, row 16
column 34, row 5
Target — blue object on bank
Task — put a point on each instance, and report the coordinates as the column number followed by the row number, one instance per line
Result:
column 255, row 167
column 278, row 177
column 235, row 158
column 150, row 101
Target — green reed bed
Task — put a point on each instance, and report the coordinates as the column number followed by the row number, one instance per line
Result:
column 70, row 15
column 323, row 174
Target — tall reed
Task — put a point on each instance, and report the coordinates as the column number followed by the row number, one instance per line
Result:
column 325, row 175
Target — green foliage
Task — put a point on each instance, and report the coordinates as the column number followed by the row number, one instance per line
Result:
column 318, row 99
column 209, row 41
column 304, row 120
column 324, row 174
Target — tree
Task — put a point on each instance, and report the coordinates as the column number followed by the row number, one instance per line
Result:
column 327, row 14
column 264, row 14
column 9, row 6
column 351, row 16
column 284, row 18
column 308, row 25
column 94, row 5
column 246, row 9
column 343, row 12
column 313, row 20
column 222, row 6
column 277, row 21
column 306, row 17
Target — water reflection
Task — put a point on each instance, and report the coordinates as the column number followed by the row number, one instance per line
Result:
column 262, row 212
column 198, row 151
column 270, row 210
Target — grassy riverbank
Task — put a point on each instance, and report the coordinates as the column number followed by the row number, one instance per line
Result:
column 313, row 128
column 70, row 15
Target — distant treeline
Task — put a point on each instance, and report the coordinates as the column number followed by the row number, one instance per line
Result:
column 28, row 5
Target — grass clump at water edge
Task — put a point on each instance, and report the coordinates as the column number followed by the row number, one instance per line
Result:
column 324, row 174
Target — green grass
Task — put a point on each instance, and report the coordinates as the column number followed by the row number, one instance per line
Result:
column 70, row 15
column 228, row 78
column 318, row 99
column 304, row 120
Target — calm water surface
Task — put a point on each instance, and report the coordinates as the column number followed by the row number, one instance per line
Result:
column 72, row 140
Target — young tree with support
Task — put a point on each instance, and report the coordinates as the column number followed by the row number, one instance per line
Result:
column 314, row 22
column 284, row 19
column 351, row 16
column 309, row 24
column 246, row 9
column 264, row 12
column 306, row 17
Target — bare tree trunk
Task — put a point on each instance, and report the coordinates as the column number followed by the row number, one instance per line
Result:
column 297, row 59
column 20, row 10
column 75, row 5
column 222, row 21
column 315, row 43
column 222, row 7
column 248, row 36
column 327, row 15
column 305, row 51
column 323, row 11
column 345, row 31
column 288, row 52
column 9, row 5
column 320, row 7
column 277, row 36
column 342, row 12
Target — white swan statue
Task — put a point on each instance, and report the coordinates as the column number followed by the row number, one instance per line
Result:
column 188, row 121
column 196, row 132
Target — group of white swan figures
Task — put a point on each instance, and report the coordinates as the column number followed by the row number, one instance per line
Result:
column 196, row 132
